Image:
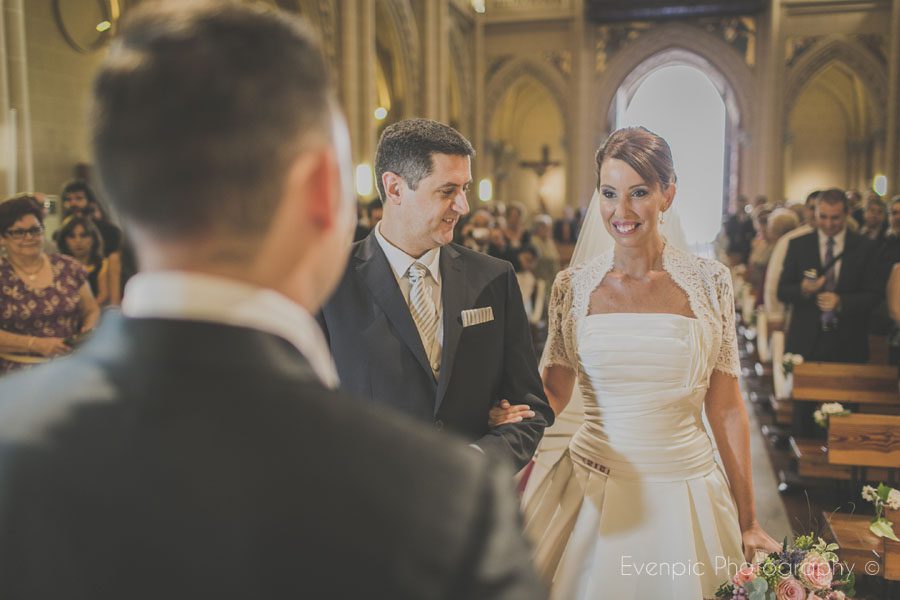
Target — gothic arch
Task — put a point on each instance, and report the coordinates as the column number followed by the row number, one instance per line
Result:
column 677, row 43
column 501, row 81
column 860, row 61
column 322, row 15
column 682, row 44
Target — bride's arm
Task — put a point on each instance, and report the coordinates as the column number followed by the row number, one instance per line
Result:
column 559, row 381
column 730, row 426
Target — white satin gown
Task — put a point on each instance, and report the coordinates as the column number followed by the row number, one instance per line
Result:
column 637, row 505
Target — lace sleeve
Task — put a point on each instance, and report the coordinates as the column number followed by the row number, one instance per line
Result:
column 728, row 361
column 558, row 350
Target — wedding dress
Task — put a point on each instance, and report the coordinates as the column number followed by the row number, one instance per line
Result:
column 635, row 504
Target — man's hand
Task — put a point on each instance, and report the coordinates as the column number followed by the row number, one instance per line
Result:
column 811, row 286
column 504, row 413
column 828, row 301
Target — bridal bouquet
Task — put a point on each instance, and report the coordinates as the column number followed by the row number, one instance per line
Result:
column 883, row 496
column 808, row 570
column 829, row 409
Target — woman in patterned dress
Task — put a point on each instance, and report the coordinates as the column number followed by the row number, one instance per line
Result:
column 44, row 299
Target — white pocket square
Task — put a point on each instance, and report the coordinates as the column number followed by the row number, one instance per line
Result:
column 477, row 316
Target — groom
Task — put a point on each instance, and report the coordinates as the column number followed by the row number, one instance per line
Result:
column 429, row 327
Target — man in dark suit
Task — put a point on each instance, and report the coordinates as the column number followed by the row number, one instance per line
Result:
column 196, row 448
column 830, row 279
column 429, row 327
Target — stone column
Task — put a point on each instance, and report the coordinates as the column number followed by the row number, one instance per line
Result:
column 358, row 75
column 892, row 141
column 20, row 165
column 579, row 121
column 480, row 168
column 436, row 44
column 769, row 145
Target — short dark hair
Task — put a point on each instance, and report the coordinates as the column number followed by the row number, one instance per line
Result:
column 642, row 150
column 66, row 229
column 17, row 207
column 406, row 147
column 834, row 196
column 200, row 107
column 77, row 185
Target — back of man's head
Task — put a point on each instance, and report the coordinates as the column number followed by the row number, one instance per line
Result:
column 200, row 109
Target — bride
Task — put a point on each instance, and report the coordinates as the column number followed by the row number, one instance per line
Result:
column 636, row 505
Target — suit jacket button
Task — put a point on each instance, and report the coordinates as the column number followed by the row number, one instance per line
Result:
column 438, row 424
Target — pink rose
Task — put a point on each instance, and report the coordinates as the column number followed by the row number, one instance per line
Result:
column 790, row 589
column 745, row 574
column 813, row 596
column 837, row 595
column 815, row 571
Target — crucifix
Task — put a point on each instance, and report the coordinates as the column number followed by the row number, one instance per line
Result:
column 540, row 166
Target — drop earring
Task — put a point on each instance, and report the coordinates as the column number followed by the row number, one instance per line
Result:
column 662, row 218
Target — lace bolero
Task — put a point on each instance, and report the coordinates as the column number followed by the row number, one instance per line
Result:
column 706, row 282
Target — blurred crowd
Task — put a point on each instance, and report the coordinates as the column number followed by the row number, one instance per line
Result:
column 850, row 281
column 55, row 283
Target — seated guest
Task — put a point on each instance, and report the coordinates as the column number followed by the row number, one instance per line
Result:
column 45, row 299
column 196, row 447
column 775, row 309
column 475, row 233
column 760, row 247
column 781, row 222
column 889, row 252
column 548, row 261
column 739, row 231
column 830, row 280
column 533, row 290
column 566, row 229
column 78, row 198
column 893, row 306
column 857, row 213
column 516, row 233
column 79, row 238
column 874, row 223
column 374, row 212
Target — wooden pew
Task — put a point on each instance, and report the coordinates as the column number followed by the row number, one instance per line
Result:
column 781, row 398
column 865, row 441
column 859, row 440
column 846, row 383
column 873, row 387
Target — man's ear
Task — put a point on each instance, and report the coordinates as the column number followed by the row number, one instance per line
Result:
column 313, row 185
column 393, row 186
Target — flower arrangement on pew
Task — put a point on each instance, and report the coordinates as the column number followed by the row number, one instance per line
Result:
column 807, row 570
column 828, row 410
column 789, row 361
column 882, row 496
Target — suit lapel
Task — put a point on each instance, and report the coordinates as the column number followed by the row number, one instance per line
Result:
column 850, row 243
column 373, row 267
column 453, row 298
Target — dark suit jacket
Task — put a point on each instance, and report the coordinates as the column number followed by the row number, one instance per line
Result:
column 858, row 286
column 175, row 459
column 380, row 356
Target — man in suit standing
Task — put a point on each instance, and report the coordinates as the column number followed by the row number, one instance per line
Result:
column 830, row 279
column 429, row 327
column 196, row 447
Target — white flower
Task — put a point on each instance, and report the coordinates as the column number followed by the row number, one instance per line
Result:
column 893, row 500
column 820, row 418
column 869, row 493
column 796, row 359
column 832, row 408
column 788, row 358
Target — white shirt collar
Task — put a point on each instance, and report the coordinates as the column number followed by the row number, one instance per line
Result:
column 838, row 238
column 400, row 261
column 201, row 297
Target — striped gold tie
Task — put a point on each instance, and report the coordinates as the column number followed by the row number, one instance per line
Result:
column 423, row 310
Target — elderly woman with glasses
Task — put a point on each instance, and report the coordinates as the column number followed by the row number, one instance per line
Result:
column 45, row 300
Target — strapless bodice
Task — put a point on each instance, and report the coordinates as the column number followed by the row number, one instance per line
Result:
column 643, row 377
